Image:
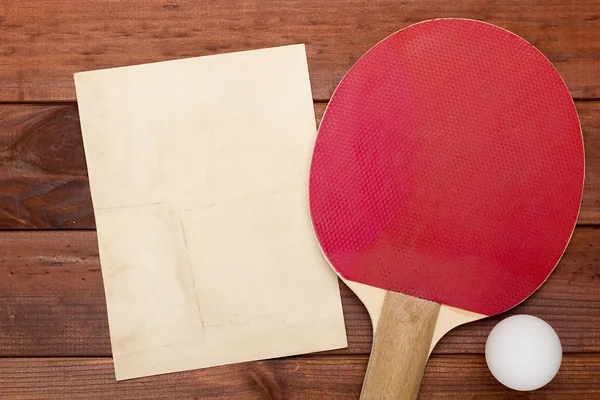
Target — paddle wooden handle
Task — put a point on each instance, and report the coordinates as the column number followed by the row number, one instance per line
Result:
column 400, row 348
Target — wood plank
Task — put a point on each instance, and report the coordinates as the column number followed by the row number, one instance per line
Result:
column 43, row 43
column 43, row 180
column 467, row 377
column 309, row 377
column 589, row 116
column 52, row 299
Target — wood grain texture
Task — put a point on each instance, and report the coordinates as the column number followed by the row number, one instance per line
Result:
column 305, row 378
column 400, row 348
column 52, row 299
column 43, row 181
column 43, row 43
column 467, row 377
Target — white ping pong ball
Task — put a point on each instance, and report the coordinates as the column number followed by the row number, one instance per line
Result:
column 523, row 352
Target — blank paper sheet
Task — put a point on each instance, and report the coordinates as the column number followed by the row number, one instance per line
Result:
column 198, row 171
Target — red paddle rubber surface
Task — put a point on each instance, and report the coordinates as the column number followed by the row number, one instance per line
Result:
column 449, row 166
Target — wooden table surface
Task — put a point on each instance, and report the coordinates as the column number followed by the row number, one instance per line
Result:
column 53, row 328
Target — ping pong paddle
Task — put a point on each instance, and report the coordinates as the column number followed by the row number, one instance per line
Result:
column 445, row 184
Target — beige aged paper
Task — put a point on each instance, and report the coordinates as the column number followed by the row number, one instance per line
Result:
column 198, row 171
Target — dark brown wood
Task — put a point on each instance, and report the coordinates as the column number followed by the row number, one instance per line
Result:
column 43, row 179
column 589, row 116
column 43, row 175
column 52, row 299
column 305, row 378
column 51, row 295
column 467, row 377
column 42, row 43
